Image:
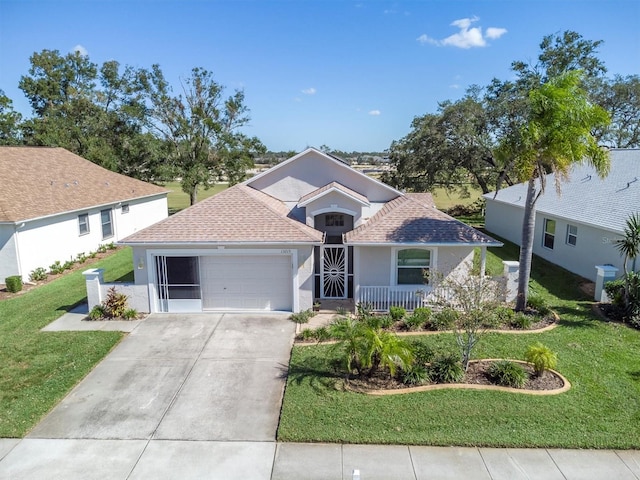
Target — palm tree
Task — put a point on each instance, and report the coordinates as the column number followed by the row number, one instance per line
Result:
column 629, row 248
column 556, row 135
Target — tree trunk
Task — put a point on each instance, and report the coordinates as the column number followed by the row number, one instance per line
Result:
column 526, row 248
column 193, row 195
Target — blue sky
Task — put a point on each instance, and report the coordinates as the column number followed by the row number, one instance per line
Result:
column 347, row 74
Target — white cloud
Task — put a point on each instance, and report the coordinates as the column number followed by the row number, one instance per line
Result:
column 374, row 113
column 309, row 91
column 80, row 49
column 455, row 86
column 467, row 37
column 493, row 32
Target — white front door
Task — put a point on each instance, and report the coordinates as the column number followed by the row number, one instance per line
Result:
column 253, row 282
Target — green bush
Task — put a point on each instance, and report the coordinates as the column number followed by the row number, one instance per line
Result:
column 415, row 374
column 81, row 257
column 508, row 374
column 301, row 317
column 97, row 313
column 414, row 322
column 322, row 334
column 538, row 303
column 130, row 314
column 307, row 334
column 522, row 320
column 615, row 292
column 504, row 315
column 13, row 283
column 56, row 267
column 541, row 357
column 38, row 275
column 68, row 265
column 422, row 352
column 445, row 319
column 386, row 321
column 397, row 313
column 446, row 369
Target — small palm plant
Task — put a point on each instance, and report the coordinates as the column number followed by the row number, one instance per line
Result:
column 629, row 248
column 541, row 357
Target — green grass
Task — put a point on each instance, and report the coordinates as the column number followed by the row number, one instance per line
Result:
column 37, row 369
column 600, row 359
column 445, row 200
column 178, row 200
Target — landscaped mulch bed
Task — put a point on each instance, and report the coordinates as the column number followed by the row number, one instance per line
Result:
column 28, row 286
column 477, row 374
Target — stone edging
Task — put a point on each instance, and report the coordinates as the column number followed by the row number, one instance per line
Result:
column 471, row 386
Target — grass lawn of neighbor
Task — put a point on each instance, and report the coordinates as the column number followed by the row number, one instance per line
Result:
column 178, row 200
column 601, row 410
column 37, row 369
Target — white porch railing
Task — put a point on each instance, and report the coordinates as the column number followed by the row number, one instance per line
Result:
column 380, row 298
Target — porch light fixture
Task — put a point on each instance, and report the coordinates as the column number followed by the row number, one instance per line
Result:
column 141, row 263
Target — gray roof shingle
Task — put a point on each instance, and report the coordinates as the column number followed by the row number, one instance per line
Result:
column 240, row 214
column 42, row 181
column 585, row 197
column 408, row 220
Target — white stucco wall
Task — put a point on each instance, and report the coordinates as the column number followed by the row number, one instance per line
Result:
column 8, row 253
column 289, row 182
column 43, row 241
column 594, row 246
column 374, row 266
column 334, row 202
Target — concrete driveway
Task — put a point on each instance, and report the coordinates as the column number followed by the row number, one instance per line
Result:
column 183, row 377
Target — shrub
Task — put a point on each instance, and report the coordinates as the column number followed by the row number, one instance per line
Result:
column 97, row 313
column 521, row 320
column 445, row 319
column 130, row 314
column 307, row 334
column 93, row 254
column 504, row 315
column 115, row 304
column 423, row 312
column 81, row 257
column 38, row 275
column 13, row 283
column 447, row 369
column 322, row 334
column 538, row 303
column 415, row 374
column 102, row 249
column 397, row 313
column 541, row 357
column 414, row 322
column 508, row 374
column 111, row 246
column 341, row 311
column 68, row 265
column 56, row 268
column 301, row 317
column 386, row 321
column 422, row 353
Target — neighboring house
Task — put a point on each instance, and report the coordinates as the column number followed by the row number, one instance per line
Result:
column 309, row 228
column 55, row 205
column 577, row 228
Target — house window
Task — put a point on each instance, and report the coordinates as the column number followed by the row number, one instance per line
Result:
column 549, row 233
column 125, row 208
column 107, row 224
column 412, row 266
column 572, row 235
column 83, row 223
column 334, row 220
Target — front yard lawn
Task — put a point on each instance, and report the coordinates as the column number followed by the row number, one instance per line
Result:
column 37, row 369
column 602, row 409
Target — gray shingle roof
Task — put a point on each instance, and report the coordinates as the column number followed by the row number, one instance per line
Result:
column 42, row 181
column 586, row 198
column 240, row 214
column 407, row 220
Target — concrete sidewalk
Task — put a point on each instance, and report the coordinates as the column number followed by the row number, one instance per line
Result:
column 73, row 459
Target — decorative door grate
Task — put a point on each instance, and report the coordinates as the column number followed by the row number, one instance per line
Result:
column 333, row 271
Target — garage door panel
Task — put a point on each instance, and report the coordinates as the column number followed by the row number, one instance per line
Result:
column 261, row 282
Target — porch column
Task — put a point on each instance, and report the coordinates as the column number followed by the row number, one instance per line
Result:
column 483, row 261
column 93, row 280
column 605, row 273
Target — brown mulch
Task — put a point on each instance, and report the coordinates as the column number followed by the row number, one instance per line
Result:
column 475, row 375
column 28, row 286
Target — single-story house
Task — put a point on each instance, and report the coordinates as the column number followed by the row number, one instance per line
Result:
column 55, row 205
column 308, row 229
column 577, row 228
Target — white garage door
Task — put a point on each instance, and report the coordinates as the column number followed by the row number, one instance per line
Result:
column 253, row 282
